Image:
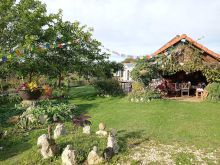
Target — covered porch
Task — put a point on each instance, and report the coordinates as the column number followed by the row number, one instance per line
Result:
column 185, row 84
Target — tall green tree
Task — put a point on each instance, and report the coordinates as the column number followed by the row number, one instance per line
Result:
column 22, row 31
column 77, row 51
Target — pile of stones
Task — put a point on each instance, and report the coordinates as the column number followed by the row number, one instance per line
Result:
column 49, row 148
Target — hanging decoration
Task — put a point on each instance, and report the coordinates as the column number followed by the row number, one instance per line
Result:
column 42, row 47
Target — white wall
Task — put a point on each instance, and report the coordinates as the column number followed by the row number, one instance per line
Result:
column 126, row 75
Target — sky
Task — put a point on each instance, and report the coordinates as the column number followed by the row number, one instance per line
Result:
column 140, row 27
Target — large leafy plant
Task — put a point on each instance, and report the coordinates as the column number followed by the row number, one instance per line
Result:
column 108, row 87
column 142, row 94
column 54, row 110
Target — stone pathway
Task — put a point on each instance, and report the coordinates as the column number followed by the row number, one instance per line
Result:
column 154, row 153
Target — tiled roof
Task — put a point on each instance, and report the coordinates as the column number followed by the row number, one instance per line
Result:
column 184, row 36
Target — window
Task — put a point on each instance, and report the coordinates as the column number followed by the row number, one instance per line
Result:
column 121, row 73
column 128, row 74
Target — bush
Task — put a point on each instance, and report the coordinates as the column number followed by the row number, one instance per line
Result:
column 137, row 86
column 61, row 93
column 141, row 94
column 9, row 98
column 54, row 110
column 213, row 91
column 108, row 87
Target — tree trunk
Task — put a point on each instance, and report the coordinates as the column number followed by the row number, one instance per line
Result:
column 30, row 76
column 59, row 80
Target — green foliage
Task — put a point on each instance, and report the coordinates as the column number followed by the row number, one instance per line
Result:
column 144, row 71
column 137, row 86
column 184, row 158
column 54, row 110
column 129, row 60
column 106, row 69
column 61, row 93
column 25, row 26
column 143, row 94
column 108, row 87
column 189, row 59
column 212, row 72
column 213, row 91
column 10, row 98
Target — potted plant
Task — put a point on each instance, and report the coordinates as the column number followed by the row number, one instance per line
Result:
column 30, row 91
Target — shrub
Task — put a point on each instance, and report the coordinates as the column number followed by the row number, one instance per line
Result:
column 60, row 93
column 137, row 86
column 54, row 110
column 213, row 91
column 143, row 95
column 10, row 98
column 108, row 87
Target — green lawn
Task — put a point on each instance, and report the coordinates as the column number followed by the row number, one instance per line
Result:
column 164, row 121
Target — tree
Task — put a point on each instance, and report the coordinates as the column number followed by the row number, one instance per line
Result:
column 22, row 31
column 129, row 60
column 106, row 69
column 77, row 50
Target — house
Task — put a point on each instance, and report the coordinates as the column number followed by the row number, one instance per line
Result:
column 189, row 58
column 125, row 75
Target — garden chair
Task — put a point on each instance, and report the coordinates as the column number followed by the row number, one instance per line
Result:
column 185, row 88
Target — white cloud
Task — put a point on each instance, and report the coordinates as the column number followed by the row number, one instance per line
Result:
column 140, row 27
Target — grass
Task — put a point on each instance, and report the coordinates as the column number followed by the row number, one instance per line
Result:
column 165, row 121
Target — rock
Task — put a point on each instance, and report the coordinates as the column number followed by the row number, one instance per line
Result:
column 48, row 146
column 101, row 126
column 59, row 130
column 86, row 129
column 28, row 114
column 112, row 142
column 28, row 103
column 13, row 119
column 68, row 156
column 1, row 148
column 108, row 153
column 102, row 133
column 93, row 157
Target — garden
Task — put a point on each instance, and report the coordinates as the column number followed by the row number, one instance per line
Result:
column 60, row 102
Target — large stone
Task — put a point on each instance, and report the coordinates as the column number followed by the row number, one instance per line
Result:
column 112, row 142
column 68, row 156
column 86, row 129
column 108, row 153
column 48, row 146
column 28, row 103
column 102, row 126
column 102, row 133
column 93, row 157
column 59, row 130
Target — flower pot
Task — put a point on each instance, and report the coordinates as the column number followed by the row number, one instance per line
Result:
column 30, row 95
